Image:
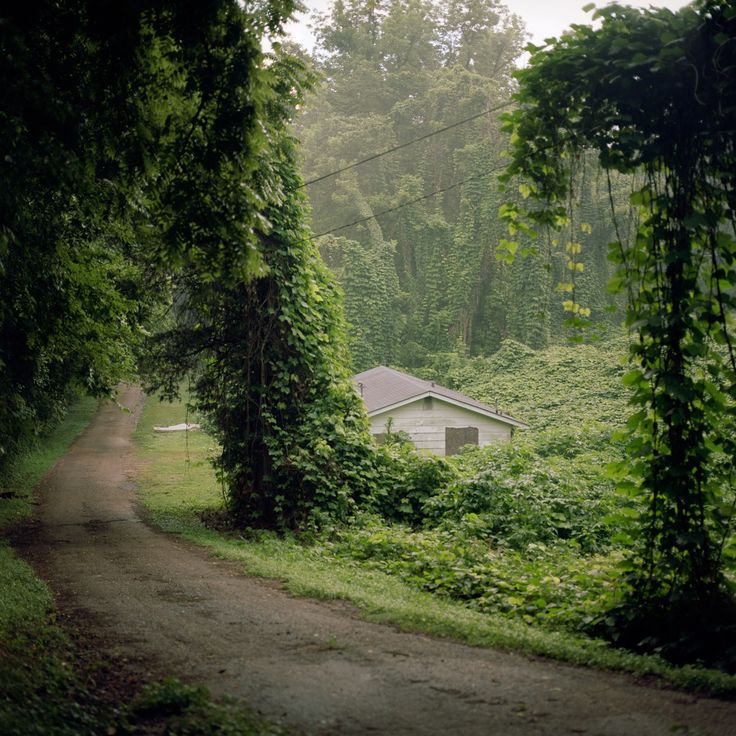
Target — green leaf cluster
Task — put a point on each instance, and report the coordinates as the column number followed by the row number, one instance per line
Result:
column 549, row 587
column 514, row 497
column 129, row 135
column 434, row 272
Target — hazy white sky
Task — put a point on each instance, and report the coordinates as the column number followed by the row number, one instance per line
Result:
column 543, row 18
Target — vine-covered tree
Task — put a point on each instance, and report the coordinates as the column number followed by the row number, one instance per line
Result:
column 145, row 158
column 654, row 94
column 268, row 360
column 125, row 128
column 392, row 72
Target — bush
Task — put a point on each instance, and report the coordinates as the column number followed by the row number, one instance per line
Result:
column 516, row 498
column 552, row 586
column 407, row 480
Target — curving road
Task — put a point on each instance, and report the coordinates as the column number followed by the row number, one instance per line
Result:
column 167, row 607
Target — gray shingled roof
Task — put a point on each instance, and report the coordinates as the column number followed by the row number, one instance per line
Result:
column 382, row 388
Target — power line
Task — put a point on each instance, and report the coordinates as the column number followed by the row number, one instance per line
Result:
column 408, row 143
column 411, row 201
column 424, row 196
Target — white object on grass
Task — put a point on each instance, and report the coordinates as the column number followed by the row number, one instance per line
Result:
column 176, row 428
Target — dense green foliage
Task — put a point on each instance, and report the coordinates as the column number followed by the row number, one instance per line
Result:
column 150, row 187
column 431, row 275
column 534, row 530
column 125, row 131
column 562, row 388
column 661, row 104
column 516, row 497
column 267, row 359
column 491, row 566
column 529, row 530
column 406, row 481
column 548, row 587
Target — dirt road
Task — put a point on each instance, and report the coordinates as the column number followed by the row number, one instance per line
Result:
column 167, row 607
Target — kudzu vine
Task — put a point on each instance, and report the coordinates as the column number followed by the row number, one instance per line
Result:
column 654, row 94
column 268, row 356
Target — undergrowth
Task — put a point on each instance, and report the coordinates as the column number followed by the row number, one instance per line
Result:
column 480, row 560
column 40, row 690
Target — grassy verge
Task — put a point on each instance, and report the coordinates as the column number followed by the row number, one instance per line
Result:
column 178, row 484
column 43, row 689
column 24, row 475
column 40, row 692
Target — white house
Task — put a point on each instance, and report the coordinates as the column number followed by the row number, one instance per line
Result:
column 437, row 419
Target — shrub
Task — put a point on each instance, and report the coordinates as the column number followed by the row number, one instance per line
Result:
column 407, row 480
column 516, row 498
column 551, row 586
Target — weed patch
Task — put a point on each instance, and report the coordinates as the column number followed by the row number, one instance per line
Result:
column 187, row 710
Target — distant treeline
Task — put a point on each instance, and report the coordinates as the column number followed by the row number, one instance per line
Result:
column 429, row 276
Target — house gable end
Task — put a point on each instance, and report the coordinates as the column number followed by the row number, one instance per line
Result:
column 488, row 413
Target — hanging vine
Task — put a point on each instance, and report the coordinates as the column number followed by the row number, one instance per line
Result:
column 655, row 92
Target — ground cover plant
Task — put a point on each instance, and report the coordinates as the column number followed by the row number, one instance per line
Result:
column 514, row 545
column 566, row 387
column 40, row 691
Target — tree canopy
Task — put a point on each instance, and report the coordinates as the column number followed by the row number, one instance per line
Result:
column 127, row 131
column 150, row 187
column 426, row 232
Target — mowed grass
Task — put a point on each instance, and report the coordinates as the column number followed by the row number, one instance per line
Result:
column 178, row 485
column 177, row 481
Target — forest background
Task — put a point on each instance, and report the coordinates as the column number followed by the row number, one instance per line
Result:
column 428, row 276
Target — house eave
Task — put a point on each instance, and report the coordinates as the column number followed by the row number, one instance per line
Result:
column 505, row 419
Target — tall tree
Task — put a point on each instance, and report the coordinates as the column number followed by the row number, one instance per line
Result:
column 145, row 148
column 266, row 353
column 654, row 92
column 399, row 72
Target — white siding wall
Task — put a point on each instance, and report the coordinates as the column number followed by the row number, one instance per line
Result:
column 426, row 426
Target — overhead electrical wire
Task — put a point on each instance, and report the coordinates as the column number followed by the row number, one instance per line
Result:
column 411, row 201
column 408, row 143
column 419, row 199
column 424, row 196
